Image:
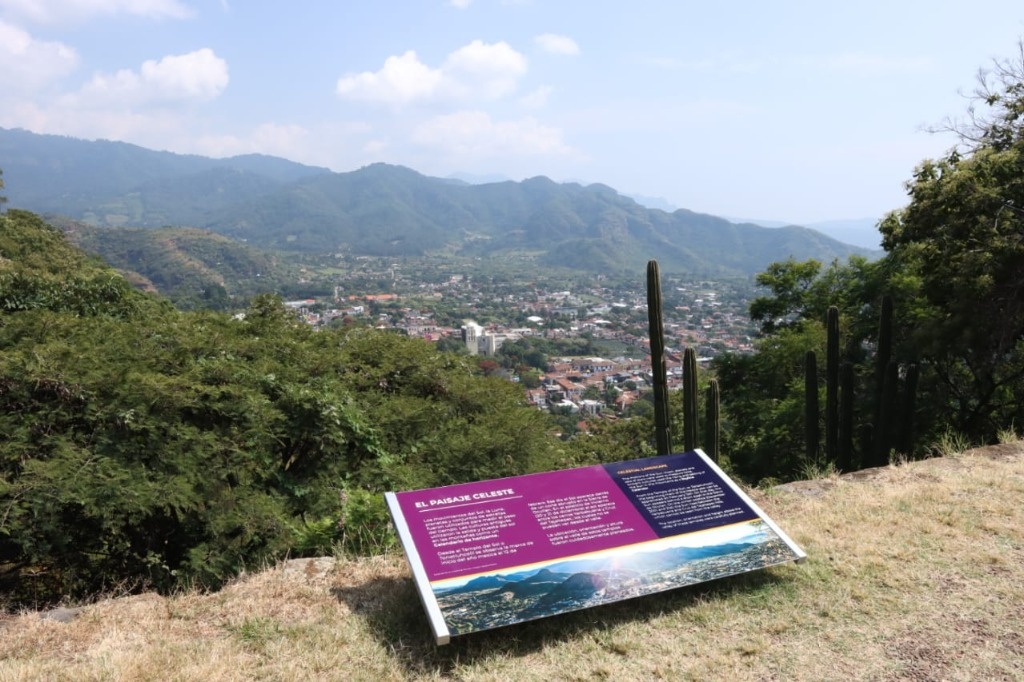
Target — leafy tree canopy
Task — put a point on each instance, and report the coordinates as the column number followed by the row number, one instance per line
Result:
column 954, row 270
column 143, row 445
column 962, row 237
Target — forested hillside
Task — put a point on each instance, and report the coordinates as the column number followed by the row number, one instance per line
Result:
column 193, row 268
column 145, row 446
column 386, row 210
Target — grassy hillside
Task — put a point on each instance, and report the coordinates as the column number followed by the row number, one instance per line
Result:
column 191, row 267
column 914, row 572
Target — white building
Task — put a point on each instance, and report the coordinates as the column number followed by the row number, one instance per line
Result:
column 471, row 333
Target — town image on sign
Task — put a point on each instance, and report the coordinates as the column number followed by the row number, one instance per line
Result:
column 494, row 553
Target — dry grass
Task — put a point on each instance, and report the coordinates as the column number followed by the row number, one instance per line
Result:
column 914, row 573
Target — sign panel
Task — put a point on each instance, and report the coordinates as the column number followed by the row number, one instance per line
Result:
column 493, row 553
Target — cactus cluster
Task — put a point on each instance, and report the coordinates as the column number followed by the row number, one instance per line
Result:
column 894, row 395
column 840, row 378
column 691, row 432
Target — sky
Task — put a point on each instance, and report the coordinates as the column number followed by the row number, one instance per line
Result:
column 793, row 111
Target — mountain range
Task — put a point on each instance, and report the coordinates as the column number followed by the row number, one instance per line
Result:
column 384, row 210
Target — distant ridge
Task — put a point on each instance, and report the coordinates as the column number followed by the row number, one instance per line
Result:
column 385, row 210
column 862, row 232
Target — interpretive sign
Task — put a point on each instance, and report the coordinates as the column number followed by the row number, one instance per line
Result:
column 493, row 553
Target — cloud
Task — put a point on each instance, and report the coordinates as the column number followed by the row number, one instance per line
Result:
column 493, row 70
column 53, row 11
column 143, row 106
column 199, row 75
column 460, row 4
column 474, row 135
column 556, row 44
column 475, row 70
column 402, row 80
column 268, row 138
column 196, row 75
column 27, row 63
column 155, row 129
column 537, row 99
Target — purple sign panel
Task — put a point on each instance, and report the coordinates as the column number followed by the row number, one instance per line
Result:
column 504, row 551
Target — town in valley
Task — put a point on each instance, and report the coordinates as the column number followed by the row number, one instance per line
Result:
column 578, row 343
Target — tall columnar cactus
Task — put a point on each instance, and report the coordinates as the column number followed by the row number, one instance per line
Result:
column 883, row 354
column 832, row 386
column 690, row 430
column 886, row 415
column 908, row 409
column 713, row 429
column 811, row 430
column 662, row 434
column 846, row 413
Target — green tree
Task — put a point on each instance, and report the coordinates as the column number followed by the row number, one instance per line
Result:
column 960, row 237
column 790, row 282
column 763, row 396
column 529, row 378
column 146, row 446
column 524, row 351
column 953, row 355
column 452, row 344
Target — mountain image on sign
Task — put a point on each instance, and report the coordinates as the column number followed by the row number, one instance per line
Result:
column 525, row 593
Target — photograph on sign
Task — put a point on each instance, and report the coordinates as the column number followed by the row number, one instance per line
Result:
column 495, row 553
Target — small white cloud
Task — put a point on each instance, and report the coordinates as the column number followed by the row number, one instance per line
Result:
column 196, row 75
column 199, row 75
column 493, row 70
column 27, row 63
column 402, row 80
column 476, row 70
column 551, row 42
column 460, row 4
column 537, row 99
column 473, row 134
column 52, row 11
